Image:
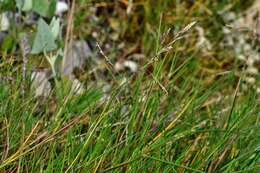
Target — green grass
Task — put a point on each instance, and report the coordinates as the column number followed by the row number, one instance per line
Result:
column 172, row 118
column 158, row 133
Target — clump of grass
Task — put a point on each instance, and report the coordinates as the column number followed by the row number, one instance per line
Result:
column 165, row 118
column 141, row 130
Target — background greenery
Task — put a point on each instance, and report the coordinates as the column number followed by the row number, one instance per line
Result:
column 184, row 110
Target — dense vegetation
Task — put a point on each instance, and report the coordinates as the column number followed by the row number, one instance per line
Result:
column 159, row 87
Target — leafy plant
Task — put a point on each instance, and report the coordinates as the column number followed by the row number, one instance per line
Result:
column 44, row 8
column 45, row 36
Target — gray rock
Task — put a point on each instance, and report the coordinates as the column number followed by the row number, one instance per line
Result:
column 4, row 22
column 40, row 83
column 76, row 57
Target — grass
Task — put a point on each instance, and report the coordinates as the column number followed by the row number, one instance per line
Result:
column 172, row 116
